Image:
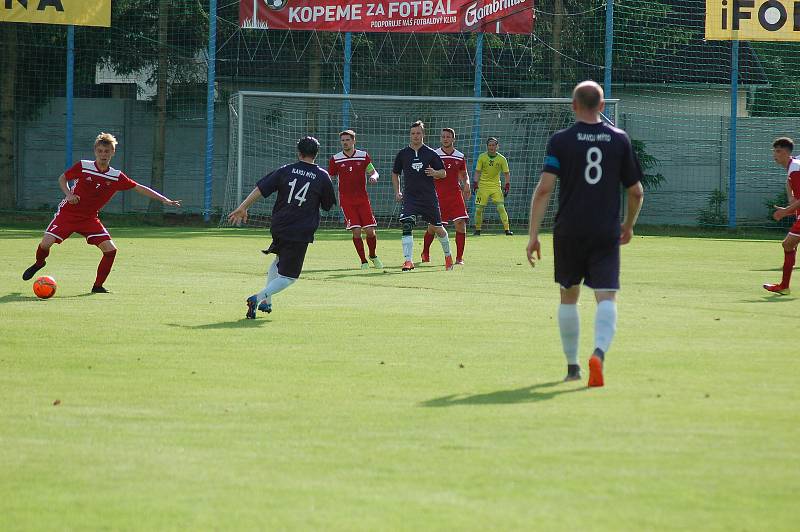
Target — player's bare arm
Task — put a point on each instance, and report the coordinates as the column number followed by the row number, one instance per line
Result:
column 70, row 197
column 632, row 210
column 466, row 190
column 539, row 202
column 372, row 174
column 783, row 212
column 152, row 194
column 396, row 184
column 436, row 174
column 239, row 214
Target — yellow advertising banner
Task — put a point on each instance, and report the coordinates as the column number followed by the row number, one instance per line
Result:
column 68, row 12
column 753, row 20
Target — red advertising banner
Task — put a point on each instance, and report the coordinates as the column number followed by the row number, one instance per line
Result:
column 422, row 16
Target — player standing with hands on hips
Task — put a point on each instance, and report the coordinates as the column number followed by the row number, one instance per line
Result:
column 590, row 160
column 96, row 182
column 302, row 187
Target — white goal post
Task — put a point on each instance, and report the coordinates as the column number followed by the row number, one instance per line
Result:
column 265, row 127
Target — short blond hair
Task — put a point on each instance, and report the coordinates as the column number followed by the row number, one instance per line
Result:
column 106, row 138
column 348, row 132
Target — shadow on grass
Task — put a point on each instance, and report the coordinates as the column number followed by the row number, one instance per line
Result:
column 770, row 298
column 16, row 297
column 242, row 323
column 528, row 394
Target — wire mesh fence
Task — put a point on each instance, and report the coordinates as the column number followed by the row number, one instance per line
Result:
column 146, row 79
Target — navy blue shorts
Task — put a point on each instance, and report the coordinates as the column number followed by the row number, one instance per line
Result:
column 593, row 260
column 417, row 212
column 291, row 255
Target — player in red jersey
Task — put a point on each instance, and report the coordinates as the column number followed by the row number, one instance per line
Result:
column 96, row 182
column 352, row 167
column 782, row 154
column 452, row 191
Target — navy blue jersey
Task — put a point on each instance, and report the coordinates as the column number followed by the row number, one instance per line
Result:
column 591, row 162
column 418, row 188
column 302, row 189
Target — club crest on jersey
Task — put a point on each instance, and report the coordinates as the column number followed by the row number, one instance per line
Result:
column 416, row 166
column 276, row 5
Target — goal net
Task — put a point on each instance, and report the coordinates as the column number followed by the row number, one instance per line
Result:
column 265, row 127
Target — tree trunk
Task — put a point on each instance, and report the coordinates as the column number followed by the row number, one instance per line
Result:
column 8, row 66
column 162, row 88
column 314, row 81
column 558, row 26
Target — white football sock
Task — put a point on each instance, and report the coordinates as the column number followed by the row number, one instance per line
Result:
column 445, row 242
column 605, row 324
column 272, row 273
column 569, row 325
column 408, row 246
column 276, row 285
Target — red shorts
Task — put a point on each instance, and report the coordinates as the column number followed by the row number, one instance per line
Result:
column 64, row 225
column 795, row 229
column 358, row 214
column 452, row 207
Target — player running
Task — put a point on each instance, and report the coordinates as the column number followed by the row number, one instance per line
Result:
column 96, row 182
column 782, row 153
column 303, row 188
column 351, row 166
column 419, row 166
column 590, row 160
column 452, row 192
column 491, row 164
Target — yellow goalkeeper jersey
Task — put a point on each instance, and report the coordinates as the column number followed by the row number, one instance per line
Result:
column 490, row 169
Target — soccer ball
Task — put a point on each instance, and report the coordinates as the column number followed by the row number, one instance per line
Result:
column 44, row 287
column 276, row 4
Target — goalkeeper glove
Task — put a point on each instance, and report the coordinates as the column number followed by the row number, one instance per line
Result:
column 474, row 186
column 506, row 188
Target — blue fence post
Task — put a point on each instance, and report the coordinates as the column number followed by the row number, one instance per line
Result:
column 212, row 76
column 609, row 48
column 68, row 140
column 348, row 58
column 476, row 118
column 732, row 147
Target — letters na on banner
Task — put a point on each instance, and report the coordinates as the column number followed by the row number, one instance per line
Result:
column 424, row 16
column 753, row 20
column 67, row 12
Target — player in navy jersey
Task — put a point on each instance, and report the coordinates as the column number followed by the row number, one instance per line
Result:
column 303, row 188
column 419, row 166
column 96, row 182
column 782, row 154
column 590, row 160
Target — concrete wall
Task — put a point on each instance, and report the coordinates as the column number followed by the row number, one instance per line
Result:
column 40, row 152
column 687, row 133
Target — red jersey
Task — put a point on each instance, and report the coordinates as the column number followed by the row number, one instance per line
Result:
column 454, row 164
column 95, row 188
column 352, row 173
column 793, row 178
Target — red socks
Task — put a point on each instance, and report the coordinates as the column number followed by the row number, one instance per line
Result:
column 105, row 267
column 461, row 239
column 426, row 243
column 41, row 254
column 372, row 242
column 359, row 244
column 788, row 266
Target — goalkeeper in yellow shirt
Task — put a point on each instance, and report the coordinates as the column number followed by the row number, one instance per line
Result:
column 487, row 184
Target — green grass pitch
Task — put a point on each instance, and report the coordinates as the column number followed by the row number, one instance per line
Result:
column 376, row 400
